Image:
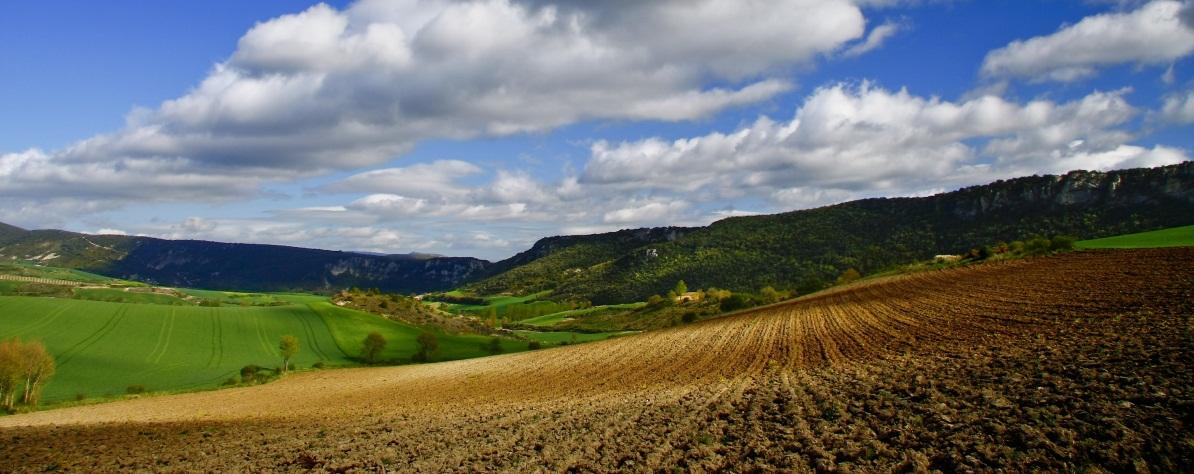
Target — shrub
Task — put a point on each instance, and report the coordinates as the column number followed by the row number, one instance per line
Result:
column 735, row 302
column 1037, row 246
column 495, row 345
column 534, row 345
column 848, row 276
column 135, row 389
column 688, row 317
column 80, row 397
column 319, row 365
column 1061, row 243
column 248, row 372
column 231, row 381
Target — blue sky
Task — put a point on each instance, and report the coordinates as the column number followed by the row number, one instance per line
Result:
column 476, row 127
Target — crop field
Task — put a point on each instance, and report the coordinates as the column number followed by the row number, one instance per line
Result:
column 1171, row 237
column 1075, row 362
column 349, row 328
column 102, row 348
column 552, row 319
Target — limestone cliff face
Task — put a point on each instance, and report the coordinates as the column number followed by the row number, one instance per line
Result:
column 1079, row 189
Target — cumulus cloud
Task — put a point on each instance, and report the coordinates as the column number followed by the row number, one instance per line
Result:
column 328, row 89
column 1179, row 108
column 850, row 141
column 1156, row 33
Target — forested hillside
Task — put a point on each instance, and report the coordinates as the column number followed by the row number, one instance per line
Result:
column 804, row 249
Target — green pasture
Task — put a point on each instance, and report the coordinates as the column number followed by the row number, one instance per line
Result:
column 1171, row 237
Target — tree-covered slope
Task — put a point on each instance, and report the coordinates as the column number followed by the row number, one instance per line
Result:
column 541, row 267
column 216, row 265
column 801, row 249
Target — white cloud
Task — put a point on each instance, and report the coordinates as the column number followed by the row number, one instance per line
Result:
column 1179, row 108
column 327, row 89
column 856, row 141
column 1153, row 34
column 433, row 179
column 650, row 211
column 875, row 38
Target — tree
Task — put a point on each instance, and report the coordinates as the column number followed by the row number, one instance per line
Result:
column 24, row 368
column 10, row 371
column 848, row 276
column 681, row 287
column 289, row 346
column 1061, row 243
column 372, row 347
column 428, row 345
column 495, row 345
column 770, row 295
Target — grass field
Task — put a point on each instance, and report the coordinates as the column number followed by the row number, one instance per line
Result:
column 349, row 328
column 101, row 348
column 548, row 320
column 16, row 267
column 556, row 337
column 1171, row 237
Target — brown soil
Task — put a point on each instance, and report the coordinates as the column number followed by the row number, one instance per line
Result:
column 1074, row 362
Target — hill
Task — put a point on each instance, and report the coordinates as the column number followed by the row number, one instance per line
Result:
column 232, row 266
column 1072, row 362
column 802, row 250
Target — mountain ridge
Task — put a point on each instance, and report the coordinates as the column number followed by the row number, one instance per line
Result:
column 799, row 249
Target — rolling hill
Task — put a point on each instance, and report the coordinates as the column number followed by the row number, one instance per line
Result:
column 231, row 266
column 799, row 250
column 805, row 249
column 1073, row 362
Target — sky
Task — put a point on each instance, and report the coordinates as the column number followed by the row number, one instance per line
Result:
column 475, row 127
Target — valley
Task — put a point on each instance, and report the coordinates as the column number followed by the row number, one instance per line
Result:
column 1059, row 362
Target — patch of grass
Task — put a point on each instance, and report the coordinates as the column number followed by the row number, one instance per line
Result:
column 557, row 337
column 118, row 295
column 1171, row 237
column 549, row 320
column 349, row 328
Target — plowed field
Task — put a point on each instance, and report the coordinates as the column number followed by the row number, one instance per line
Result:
column 1070, row 362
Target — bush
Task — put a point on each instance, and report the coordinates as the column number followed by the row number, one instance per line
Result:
column 1061, row 243
column 248, row 372
column 1037, row 246
column 534, row 345
column 135, row 389
column 735, row 302
column 688, row 317
column 231, row 381
column 319, row 365
column 80, row 397
column 495, row 345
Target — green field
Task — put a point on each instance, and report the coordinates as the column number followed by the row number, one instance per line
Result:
column 16, row 267
column 1171, row 237
column 548, row 320
column 556, row 337
column 117, row 295
column 101, row 348
column 349, row 328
